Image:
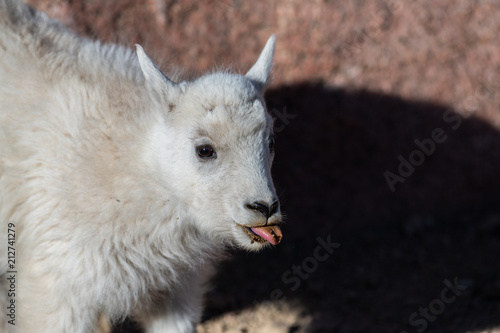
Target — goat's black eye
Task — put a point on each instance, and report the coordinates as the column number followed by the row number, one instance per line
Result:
column 206, row 152
column 271, row 143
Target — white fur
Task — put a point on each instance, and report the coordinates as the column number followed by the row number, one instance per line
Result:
column 115, row 213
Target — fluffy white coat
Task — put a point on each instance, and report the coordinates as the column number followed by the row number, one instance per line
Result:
column 116, row 213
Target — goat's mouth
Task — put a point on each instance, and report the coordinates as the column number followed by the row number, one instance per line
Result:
column 262, row 234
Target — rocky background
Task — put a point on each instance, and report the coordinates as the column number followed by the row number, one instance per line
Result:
column 388, row 149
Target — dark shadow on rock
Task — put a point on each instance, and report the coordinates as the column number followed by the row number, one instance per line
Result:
column 399, row 249
column 334, row 149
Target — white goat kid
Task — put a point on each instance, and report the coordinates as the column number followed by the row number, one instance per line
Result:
column 121, row 187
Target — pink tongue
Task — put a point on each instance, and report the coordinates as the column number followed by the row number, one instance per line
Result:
column 270, row 233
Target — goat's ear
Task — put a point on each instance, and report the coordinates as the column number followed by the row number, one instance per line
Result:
column 260, row 73
column 155, row 80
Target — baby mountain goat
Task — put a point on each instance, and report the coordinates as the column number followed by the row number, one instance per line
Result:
column 119, row 188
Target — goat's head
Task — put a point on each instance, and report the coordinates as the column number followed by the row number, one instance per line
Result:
column 215, row 147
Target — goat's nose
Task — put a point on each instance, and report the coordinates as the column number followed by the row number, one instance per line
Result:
column 263, row 208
